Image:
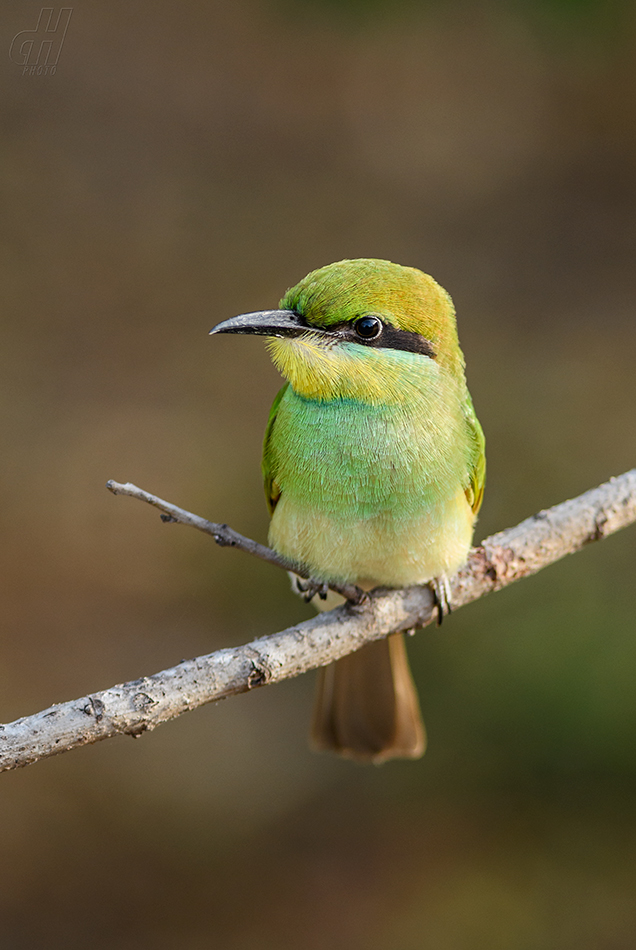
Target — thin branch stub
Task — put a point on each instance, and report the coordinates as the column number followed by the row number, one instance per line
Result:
column 226, row 537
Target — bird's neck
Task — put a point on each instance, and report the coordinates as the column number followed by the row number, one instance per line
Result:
column 375, row 377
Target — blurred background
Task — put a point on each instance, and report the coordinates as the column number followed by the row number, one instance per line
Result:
column 188, row 163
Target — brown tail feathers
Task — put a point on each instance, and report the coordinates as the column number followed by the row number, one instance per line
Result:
column 367, row 706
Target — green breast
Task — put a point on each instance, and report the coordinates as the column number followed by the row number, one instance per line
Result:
column 357, row 461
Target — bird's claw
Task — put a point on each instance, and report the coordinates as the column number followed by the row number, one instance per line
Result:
column 309, row 588
column 441, row 596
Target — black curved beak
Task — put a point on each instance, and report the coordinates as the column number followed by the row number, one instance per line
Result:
column 264, row 323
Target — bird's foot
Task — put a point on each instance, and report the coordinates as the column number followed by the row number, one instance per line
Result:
column 308, row 589
column 441, row 596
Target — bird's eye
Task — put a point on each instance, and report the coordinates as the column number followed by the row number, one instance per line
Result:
column 368, row 327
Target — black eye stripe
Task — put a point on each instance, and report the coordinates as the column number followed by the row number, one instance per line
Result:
column 390, row 337
column 396, row 339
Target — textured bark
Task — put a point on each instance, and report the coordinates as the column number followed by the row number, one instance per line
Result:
column 132, row 708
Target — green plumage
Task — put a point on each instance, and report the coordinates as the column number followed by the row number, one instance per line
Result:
column 370, row 447
column 374, row 467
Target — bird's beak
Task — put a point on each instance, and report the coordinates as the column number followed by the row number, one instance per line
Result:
column 264, row 323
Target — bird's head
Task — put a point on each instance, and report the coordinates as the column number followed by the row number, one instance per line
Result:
column 361, row 329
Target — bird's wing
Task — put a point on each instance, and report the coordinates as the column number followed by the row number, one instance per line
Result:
column 272, row 490
column 475, row 487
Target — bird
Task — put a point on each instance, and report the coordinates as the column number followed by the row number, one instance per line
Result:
column 374, row 470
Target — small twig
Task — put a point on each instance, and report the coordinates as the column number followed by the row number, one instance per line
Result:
column 133, row 708
column 226, row 537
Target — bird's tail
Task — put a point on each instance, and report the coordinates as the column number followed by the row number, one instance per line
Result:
column 367, row 706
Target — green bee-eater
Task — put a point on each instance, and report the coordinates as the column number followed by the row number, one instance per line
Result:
column 374, row 468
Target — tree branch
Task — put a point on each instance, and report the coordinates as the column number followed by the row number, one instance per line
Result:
column 226, row 537
column 133, row 708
